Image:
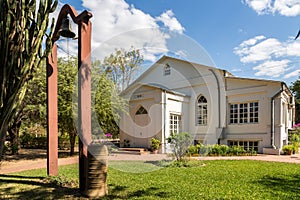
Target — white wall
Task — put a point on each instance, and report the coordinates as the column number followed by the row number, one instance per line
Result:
column 247, row 90
column 139, row 129
column 191, row 80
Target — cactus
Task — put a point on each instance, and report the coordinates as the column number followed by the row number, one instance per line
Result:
column 22, row 30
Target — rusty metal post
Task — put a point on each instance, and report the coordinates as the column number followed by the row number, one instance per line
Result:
column 84, row 97
column 52, row 117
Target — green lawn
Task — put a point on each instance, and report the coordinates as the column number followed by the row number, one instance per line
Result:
column 210, row 180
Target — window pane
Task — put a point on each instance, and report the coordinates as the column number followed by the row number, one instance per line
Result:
column 254, row 112
column 175, row 123
column 167, row 70
column 201, row 114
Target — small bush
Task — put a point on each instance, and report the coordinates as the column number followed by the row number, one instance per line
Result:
column 181, row 142
column 29, row 141
column 219, row 150
column 192, row 150
column 154, row 144
column 288, row 149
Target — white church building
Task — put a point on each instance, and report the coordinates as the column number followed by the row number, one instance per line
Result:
column 213, row 105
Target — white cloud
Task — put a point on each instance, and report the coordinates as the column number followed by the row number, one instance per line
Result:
column 116, row 24
column 283, row 7
column 168, row 19
column 293, row 74
column 287, row 7
column 270, row 56
column 252, row 51
column 272, row 68
column 260, row 6
column 252, row 41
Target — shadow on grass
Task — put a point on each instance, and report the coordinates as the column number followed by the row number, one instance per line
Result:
column 123, row 192
column 282, row 186
column 33, row 154
column 33, row 187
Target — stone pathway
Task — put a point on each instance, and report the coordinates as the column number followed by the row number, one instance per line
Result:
column 17, row 165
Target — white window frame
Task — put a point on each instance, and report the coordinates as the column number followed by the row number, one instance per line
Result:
column 175, row 125
column 167, row 70
column 201, row 111
column 244, row 113
column 247, row 145
column 141, row 111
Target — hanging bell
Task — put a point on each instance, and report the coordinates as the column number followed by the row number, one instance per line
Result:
column 66, row 30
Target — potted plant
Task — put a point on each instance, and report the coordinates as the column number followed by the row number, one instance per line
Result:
column 154, row 145
column 126, row 143
column 288, row 149
column 295, row 140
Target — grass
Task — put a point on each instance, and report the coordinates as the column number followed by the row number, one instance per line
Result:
column 219, row 179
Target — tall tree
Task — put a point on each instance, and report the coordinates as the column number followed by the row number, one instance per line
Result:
column 22, row 30
column 117, row 72
column 34, row 111
column 67, row 73
column 108, row 105
column 121, row 66
column 295, row 87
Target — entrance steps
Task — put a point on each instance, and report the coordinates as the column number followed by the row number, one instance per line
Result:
column 134, row 151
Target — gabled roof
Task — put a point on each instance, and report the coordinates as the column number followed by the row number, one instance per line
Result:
column 226, row 74
column 283, row 84
column 162, row 59
column 158, row 86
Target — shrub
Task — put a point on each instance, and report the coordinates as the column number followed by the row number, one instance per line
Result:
column 154, row 143
column 224, row 149
column 288, row 149
column 205, row 150
column 192, row 150
column 29, row 141
column 216, row 150
column 64, row 142
column 237, row 150
column 181, row 142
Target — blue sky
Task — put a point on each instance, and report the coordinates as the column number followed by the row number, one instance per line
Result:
column 249, row 38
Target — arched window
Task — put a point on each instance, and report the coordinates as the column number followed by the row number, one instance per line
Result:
column 141, row 111
column 201, row 111
column 167, row 70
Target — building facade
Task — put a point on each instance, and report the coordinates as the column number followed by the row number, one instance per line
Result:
column 216, row 107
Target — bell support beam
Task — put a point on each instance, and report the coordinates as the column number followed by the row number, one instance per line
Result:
column 52, row 115
column 84, row 97
column 84, row 103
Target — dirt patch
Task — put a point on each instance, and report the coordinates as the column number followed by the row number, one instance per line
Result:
column 34, row 154
column 33, row 159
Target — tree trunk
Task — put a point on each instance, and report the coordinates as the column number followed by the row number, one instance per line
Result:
column 3, row 131
column 14, row 137
column 72, row 143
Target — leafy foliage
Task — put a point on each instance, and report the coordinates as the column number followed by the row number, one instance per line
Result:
column 219, row 150
column 121, row 66
column 108, row 104
column 295, row 87
column 35, row 106
column 181, row 142
column 67, row 74
column 289, row 149
column 154, row 143
column 22, row 30
column 112, row 75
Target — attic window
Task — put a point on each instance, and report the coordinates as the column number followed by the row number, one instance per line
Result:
column 141, row 111
column 138, row 96
column 167, row 70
